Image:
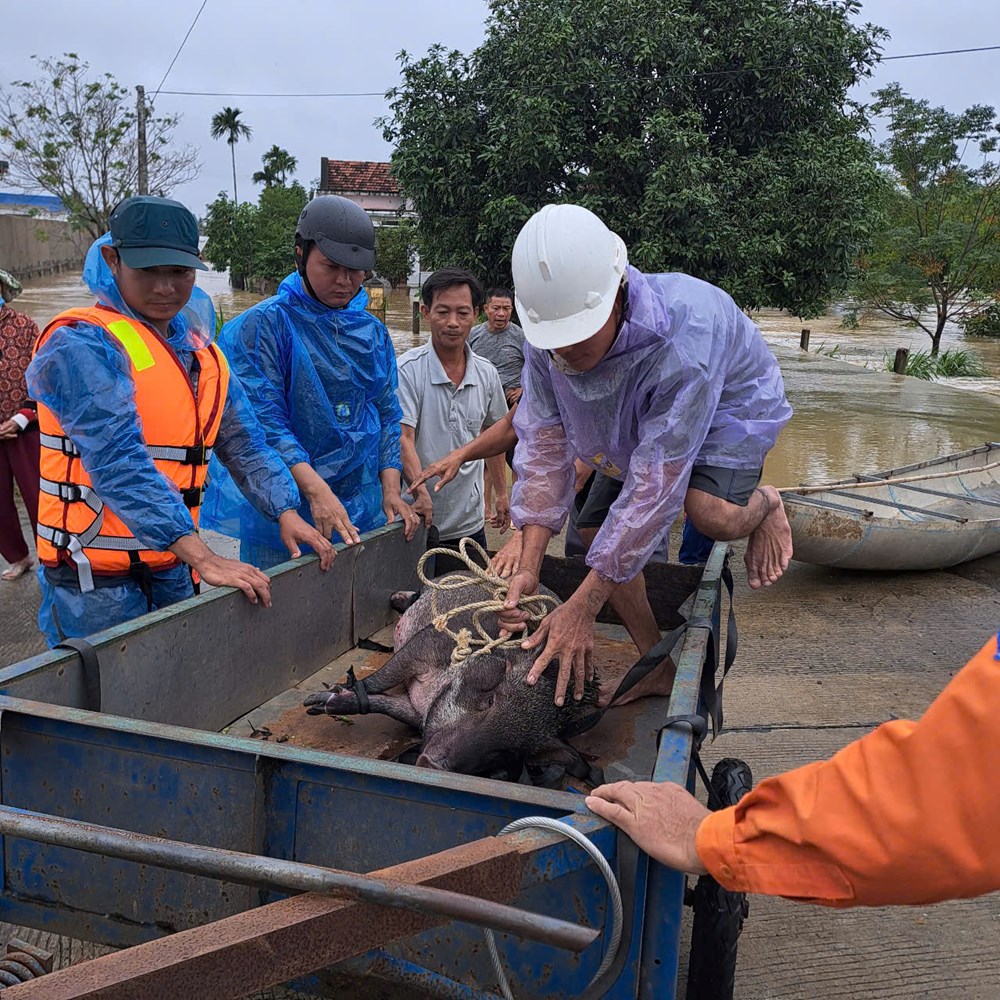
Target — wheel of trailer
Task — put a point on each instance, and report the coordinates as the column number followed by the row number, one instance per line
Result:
column 718, row 914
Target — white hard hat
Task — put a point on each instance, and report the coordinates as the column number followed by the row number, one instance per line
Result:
column 567, row 267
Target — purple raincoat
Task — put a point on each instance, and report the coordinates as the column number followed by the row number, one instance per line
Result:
column 688, row 381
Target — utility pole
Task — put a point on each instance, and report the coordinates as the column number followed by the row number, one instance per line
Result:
column 140, row 113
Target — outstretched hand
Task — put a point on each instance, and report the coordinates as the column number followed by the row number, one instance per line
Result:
column 220, row 572
column 661, row 818
column 447, row 468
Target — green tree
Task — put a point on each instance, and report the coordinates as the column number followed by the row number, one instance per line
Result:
column 395, row 251
column 254, row 242
column 715, row 136
column 274, row 236
column 267, row 176
column 74, row 135
column 278, row 164
column 230, row 231
column 936, row 256
column 227, row 124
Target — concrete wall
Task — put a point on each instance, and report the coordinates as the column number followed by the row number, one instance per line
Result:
column 30, row 246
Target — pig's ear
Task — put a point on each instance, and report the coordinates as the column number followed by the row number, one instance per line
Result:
column 483, row 673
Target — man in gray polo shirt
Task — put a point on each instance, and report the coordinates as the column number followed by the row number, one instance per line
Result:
column 500, row 341
column 449, row 395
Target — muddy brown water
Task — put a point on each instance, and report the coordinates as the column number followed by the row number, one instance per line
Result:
column 847, row 418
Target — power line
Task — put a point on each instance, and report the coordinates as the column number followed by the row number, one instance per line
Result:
column 180, row 49
column 943, row 52
column 220, row 93
column 710, row 72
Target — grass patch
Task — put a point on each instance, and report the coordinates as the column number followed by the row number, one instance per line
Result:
column 948, row 364
column 827, row 352
column 960, row 364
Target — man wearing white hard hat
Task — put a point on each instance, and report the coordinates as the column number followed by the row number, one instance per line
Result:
column 662, row 385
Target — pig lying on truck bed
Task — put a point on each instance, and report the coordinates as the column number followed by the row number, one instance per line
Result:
column 477, row 716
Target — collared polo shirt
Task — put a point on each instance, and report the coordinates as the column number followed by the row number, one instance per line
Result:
column 445, row 417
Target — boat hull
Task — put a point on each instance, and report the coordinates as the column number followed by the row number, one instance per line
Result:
column 934, row 515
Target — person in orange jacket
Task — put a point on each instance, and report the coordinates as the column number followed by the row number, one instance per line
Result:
column 908, row 814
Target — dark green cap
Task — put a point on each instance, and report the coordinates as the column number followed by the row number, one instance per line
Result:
column 155, row 232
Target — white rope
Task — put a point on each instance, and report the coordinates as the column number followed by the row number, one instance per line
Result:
column 475, row 641
column 617, row 911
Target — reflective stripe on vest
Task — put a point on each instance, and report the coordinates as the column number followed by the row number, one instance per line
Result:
column 135, row 347
column 74, row 523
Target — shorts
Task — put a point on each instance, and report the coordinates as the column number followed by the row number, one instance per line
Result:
column 600, row 491
column 732, row 485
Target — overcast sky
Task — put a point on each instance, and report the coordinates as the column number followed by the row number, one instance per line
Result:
column 310, row 46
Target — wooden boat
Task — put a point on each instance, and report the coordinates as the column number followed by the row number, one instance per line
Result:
column 926, row 516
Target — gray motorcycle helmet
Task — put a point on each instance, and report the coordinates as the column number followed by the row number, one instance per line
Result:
column 340, row 229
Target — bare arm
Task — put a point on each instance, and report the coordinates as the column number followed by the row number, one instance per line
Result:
column 496, row 469
column 496, row 440
column 423, row 504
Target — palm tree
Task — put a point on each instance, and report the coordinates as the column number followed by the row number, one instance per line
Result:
column 226, row 123
column 268, row 176
column 278, row 164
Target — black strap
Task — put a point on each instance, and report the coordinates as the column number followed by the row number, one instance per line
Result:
column 710, row 694
column 91, row 670
column 191, row 497
column 373, row 646
column 643, row 666
column 358, row 687
column 699, row 730
column 143, row 576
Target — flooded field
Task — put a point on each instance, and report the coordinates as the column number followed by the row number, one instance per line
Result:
column 876, row 339
column 846, row 419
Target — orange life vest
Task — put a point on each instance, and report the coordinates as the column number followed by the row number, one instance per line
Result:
column 178, row 425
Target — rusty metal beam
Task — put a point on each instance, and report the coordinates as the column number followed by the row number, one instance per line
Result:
column 276, row 873
column 281, row 941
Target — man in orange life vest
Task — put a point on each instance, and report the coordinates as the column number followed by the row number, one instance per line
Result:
column 133, row 398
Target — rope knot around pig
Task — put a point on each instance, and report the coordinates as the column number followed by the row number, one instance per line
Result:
column 476, row 641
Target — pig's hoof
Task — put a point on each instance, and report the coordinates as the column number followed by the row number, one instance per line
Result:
column 339, row 700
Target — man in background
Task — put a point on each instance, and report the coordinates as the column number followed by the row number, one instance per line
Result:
column 449, row 395
column 501, row 342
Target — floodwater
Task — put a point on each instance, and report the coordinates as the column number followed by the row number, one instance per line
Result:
column 877, row 339
column 847, row 418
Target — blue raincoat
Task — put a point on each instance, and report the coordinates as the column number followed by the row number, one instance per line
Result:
column 85, row 379
column 688, row 381
column 323, row 383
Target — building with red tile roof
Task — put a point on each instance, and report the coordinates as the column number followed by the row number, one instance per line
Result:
column 368, row 183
